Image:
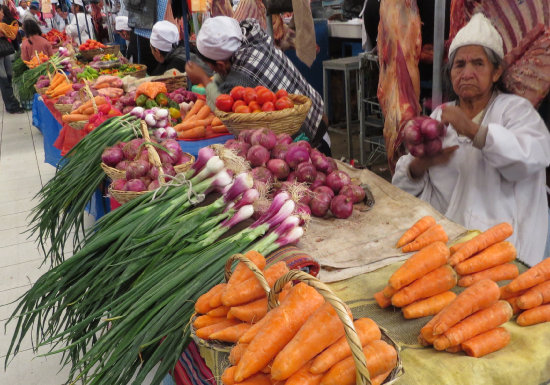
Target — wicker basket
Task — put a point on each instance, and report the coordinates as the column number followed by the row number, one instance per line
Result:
column 140, row 73
column 287, row 121
column 79, row 125
column 115, row 173
column 89, row 54
column 63, row 108
column 41, row 91
column 173, row 82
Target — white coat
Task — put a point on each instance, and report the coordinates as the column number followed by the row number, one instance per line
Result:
column 72, row 30
column 502, row 182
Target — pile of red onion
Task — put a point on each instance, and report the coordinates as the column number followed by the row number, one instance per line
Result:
column 276, row 158
column 423, row 136
column 133, row 158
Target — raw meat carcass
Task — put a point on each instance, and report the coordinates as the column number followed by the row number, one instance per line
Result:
column 253, row 9
column 220, row 8
column 399, row 45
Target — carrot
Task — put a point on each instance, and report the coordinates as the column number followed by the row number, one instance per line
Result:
column 88, row 111
column 479, row 322
column 287, row 318
column 251, row 312
column 206, row 320
column 435, row 282
column 497, row 273
column 535, row 296
column 304, row 376
column 366, row 329
column 380, row 356
column 454, row 349
column 388, row 291
column 506, row 293
column 454, row 248
column 199, row 103
column 480, row 295
column 219, row 129
column 203, row 112
column 227, row 375
column 267, row 368
column 535, row 275
column 203, row 302
column 231, row 333
column 418, row 228
column 70, row 118
column 216, row 121
column 487, row 238
column 433, row 234
column 205, row 332
column 497, row 254
column 56, row 80
column 487, row 342
column 196, row 132
column 99, row 100
column 429, row 258
column 321, row 330
column 259, row 379
column 189, row 124
column 236, row 353
column 534, row 316
column 251, row 289
column 378, row 380
column 220, row 311
column 242, row 272
column 216, row 299
column 428, row 306
column 426, row 336
column 513, row 301
column 382, row 300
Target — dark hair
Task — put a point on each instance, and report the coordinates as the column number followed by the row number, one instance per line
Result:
column 78, row 8
column 8, row 17
column 31, row 28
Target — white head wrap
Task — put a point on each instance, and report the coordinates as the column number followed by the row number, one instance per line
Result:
column 219, row 37
column 164, row 35
column 78, row 2
column 121, row 23
column 478, row 31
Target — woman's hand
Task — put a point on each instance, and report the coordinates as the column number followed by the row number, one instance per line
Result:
column 419, row 166
column 196, row 74
column 461, row 123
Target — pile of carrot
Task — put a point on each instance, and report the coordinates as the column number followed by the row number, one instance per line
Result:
column 59, row 86
column 421, row 286
column 486, row 256
column 421, row 234
column 471, row 322
column 229, row 310
column 200, row 122
column 529, row 294
column 84, row 112
column 302, row 342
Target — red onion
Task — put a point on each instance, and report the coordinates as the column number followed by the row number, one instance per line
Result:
column 153, row 185
column 146, row 180
column 184, row 158
column 244, row 136
column 122, row 165
column 433, row 147
column 174, row 151
column 131, row 149
column 429, row 128
column 230, row 143
column 320, row 204
column 306, row 197
column 341, row 206
column 278, row 168
column 325, row 190
column 137, row 169
column 320, row 180
column 263, row 137
column 119, row 184
column 291, row 177
column 111, row 156
column 262, row 174
column 304, row 144
column 302, row 209
column 417, row 150
column 284, row 138
column 319, row 160
column 355, row 192
column 412, row 133
column 306, row 172
column 167, row 169
column 332, row 166
column 337, row 179
column 241, row 148
column 296, row 155
column 257, row 156
column 121, row 145
column 135, row 185
column 279, row 151
column 144, row 155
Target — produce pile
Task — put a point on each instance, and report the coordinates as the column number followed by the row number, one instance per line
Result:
column 56, row 37
column 90, row 44
column 423, row 136
column 36, row 60
column 199, row 122
column 250, row 100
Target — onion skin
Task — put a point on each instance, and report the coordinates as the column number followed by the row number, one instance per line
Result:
column 429, row 129
column 319, row 160
column 119, row 184
column 324, row 190
column 135, row 185
column 304, row 144
column 306, row 172
column 137, row 169
column 355, row 192
column 302, row 209
column 417, row 150
column 295, row 155
column 131, row 149
column 263, row 137
column 341, row 206
column 122, row 165
column 279, row 151
column 284, row 138
column 111, row 156
column 279, row 168
column 262, row 174
column 332, row 165
column 320, row 204
column 257, row 156
column 153, row 185
column 433, row 147
column 337, row 179
column 291, row 177
column 244, row 136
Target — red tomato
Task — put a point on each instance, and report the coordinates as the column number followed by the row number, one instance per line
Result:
column 265, row 96
column 283, row 103
column 279, row 94
column 224, row 103
column 250, row 95
column 104, row 108
column 238, row 103
column 260, row 88
column 242, row 110
column 237, row 93
column 254, row 106
column 268, row 106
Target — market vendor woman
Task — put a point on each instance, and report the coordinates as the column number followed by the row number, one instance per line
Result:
column 496, row 149
column 244, row 55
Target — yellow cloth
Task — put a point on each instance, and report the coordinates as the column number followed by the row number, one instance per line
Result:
column 9, row 30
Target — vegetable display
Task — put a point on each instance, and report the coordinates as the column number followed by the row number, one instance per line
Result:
column 423, row 136
column 26, row 82
column 250, row 100
column 90, row 44
column 200, row 122
column 36, row 60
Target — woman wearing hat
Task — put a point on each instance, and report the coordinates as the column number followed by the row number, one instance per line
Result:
column 81, row 23
column 496, row 149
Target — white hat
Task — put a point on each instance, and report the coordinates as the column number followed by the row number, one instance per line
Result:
column 164, row 35
column 478, row 31
column 219, row 37
column 121, row 23
column 78, row 2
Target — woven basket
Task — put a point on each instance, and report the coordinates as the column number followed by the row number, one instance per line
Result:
column 287, row 121
column 173, row 82
column 63, row 108
column 41, row 91
column 89, row 54
column 78, row 125
column 140, row 73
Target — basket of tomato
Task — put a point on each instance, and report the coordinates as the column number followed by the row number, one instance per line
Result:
column 253, row 108
column 91, row 48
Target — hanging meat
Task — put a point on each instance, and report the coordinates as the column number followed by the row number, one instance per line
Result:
column 399, row 45
column 220, row 8
column 254, row 9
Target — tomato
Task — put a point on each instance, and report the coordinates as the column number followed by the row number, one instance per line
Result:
column 282, row 103
column 265, row 96
column 242, row 110
column 237, row 93
column 238, row 103
column 250, row 95
column 268, row 106
column 279, row 94
column 254, row 106
column 260, row 88
column 104, row 108
column 224, row 103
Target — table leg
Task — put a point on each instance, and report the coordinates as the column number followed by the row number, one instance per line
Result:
column 347, row 89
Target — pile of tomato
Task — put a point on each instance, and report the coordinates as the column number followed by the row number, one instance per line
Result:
column 104, row 112
column 249, row 100
column 90, row 44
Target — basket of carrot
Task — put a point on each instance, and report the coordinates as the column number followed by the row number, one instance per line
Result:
column 80, row 116
column 59, row 86
column 199, row 122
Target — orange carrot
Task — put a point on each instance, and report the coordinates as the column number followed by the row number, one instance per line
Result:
column 216, row 295
column 454, row 349
column 219, row 129
column 497, row 273
column 388, row 291
column 479, row 322
column 487, row 238
column 220, row 311
column 205, row 332
column 497, row 254
column 288, row 317
column 251, row 289
column 380, row 356
column 196, row 132
column 321, row 330
column 203, row 303
column 203, row 112
column 435, row 282
column 236, row 353
column 242, row 272
column 535, row 296
column 534, row 316
column 304, row 376
column 513, row 301
column 382, row 300
column 206, row 320
column 506, row 293
column 426, row 336
column 231, row 333
column 436, row 233
column 378, row 380
column 480, row 295
column 251, row 312
column 70, row 118
column 99, row 100
column 418, row 228
column 199, row 103
column 454, row 248
column 429, row 258
column 216, row 121
column 258, row 379
column 366, row 329
column 88, row 111
column 227, row 376
column 188, row 124
column 487, row 342
column 535, row 275
column 428, row 306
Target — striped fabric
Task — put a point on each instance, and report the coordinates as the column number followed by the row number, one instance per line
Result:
column 295, row 259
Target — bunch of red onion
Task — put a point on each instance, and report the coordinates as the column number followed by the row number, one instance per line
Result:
column 423, row 136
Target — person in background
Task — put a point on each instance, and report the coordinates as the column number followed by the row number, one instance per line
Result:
column 123, row 33
column 244, row 55
column 59, row 13
column 10, row 102
column 100, row 28
column 34, row 42
column 22, row 8
column 34, row 13
column 495, row 150
column 85, row 24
